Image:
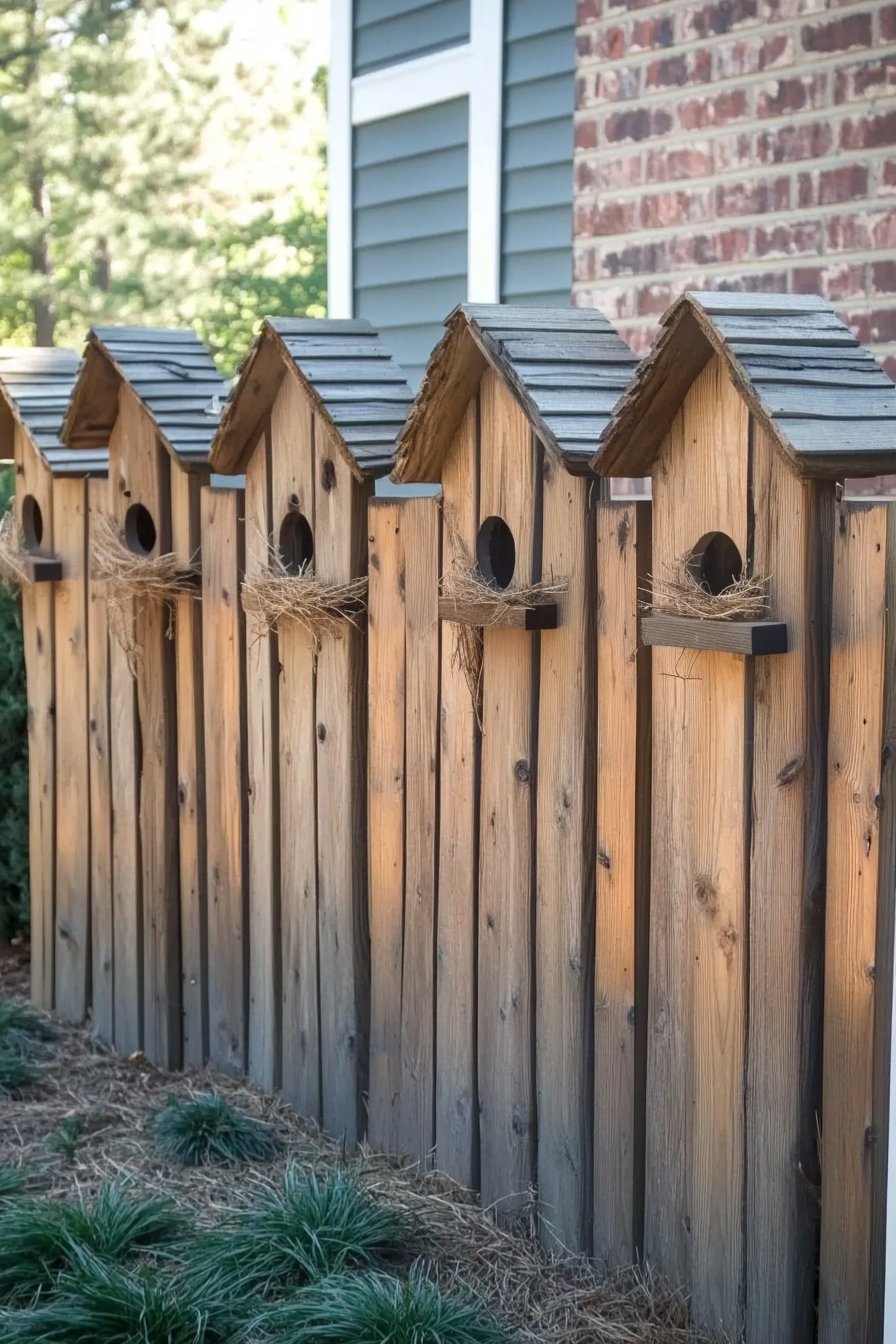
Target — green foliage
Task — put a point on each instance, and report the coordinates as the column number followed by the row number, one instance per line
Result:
column 99, row 1303
column 40, row 1240
column 13, row 752
column 66, row 1137
column 380, row 1309
column 24, row 1037
column 307, row 1229
column 208, row 1129
column 13, row 1179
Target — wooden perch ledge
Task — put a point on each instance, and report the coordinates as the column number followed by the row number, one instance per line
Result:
column 535, row 616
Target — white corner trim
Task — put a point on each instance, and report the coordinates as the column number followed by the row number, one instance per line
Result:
column 340, row 240
column 424, row 82
column 486, row 140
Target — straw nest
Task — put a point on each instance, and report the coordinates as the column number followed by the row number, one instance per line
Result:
column 108, row 1104
column 277, row 594
column 131, row 581
column 678, row 592
column 13, row 572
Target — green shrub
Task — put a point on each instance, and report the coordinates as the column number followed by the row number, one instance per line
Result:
column 99, row 1303
column 24, row 1037
column 13, row 1179
column 307, row 1229
column 208, row 1129
column 40, row 1239
column 13, row 755
column 380, row 1309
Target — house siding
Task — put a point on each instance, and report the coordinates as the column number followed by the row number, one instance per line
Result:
column 536, row 180
column 387, row 32
column 410, row 223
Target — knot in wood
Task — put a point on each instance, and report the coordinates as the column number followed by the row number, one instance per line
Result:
column 521, row 770
column 328, row 474
column 705, row 893
column 321, row 732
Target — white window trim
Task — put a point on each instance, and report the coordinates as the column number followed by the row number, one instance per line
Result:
column 473, row 70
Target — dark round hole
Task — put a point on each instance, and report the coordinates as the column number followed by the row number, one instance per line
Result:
column 296, row 542
column 139, row 529
column 496, row 552
column 32, row 523
column 715, row 562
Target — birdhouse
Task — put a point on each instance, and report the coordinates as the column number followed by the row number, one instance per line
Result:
column 154, row 396
column 511, row 404
column 746, row 413
column 64, row 643
column 312, row 422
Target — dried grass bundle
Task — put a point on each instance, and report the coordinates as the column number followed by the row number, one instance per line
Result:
column 130, row 581
column 678, row 592
column 13, row 572
column 321, row 608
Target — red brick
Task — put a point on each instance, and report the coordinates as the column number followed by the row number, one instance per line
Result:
column 732, row 151
column 833, row 185
column 889, row 367
column 584, row 264
column 883, row 231
column 639, row 124
column 838, row 283
column 673, row 165
column 882, row 325
column 748, row 55
column 869, row 132
column 636, row 259
column 616, row 84
column 887, row 20
column 584, row 175
column 708, row 249
column 695, row 113
column 587, row 11
column 792, row 95
column 585, row 136
column 864, row 79
column 888, row 177
column 787, row 240
column 625, row 171
column 753, row 198
column 611, row 44
column 714, row 19
column 848, row 233
column 653, row 300
column 789, row 144
column 883, row 277
column 841, row 34
column 610, row 218
column 668, row 208
column 651, row 34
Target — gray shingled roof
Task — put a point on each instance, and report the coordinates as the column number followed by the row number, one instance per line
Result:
column 37, row 384
column 826, row 401
column 360, row 387
column 567, row 366
column 171, row 372
column 350, row 376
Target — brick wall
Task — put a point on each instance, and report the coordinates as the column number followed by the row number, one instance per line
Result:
column 737, row 143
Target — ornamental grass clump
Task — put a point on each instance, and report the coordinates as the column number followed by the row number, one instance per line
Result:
column 207, row 1129
column 307, row 1229
column 12, row 1181
column 99, row 1303
column 380, row 1309
column 25, row 1039
column 40, row 1239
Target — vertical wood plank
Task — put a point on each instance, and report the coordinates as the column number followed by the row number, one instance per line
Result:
column 38, row 635
column 508, row 489
column 292, row 488
column 793, row 538
column 265, row 994
column 190, row 776
column 147, row 471
column 124, row 764
column 72, row 957
column 421, row 527
column 564, row 929
column 223, row 646
column 386, row 781
column 856, row 863
column 622, row 881
column 457, row 1097
column 102, row 959
column 340, row 547
column 694, row 1228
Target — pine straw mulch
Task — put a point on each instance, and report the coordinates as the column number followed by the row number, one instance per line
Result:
column 112, row 1101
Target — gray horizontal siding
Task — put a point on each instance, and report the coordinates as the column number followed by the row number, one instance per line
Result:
column 536, row 182
column 410, row 227
column 390, row 31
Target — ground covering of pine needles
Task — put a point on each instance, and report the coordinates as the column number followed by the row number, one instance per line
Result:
column 310, row 1245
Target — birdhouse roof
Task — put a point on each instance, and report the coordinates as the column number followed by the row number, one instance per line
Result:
column 36, row 385
column 821, row 396
column 349, row 375
column 171, row 372
column 567, row 367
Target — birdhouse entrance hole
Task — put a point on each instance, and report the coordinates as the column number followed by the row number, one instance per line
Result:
column 496, row 552
column 296, row 542
column 715, row 563
column 32, row 523
column 139, row 529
